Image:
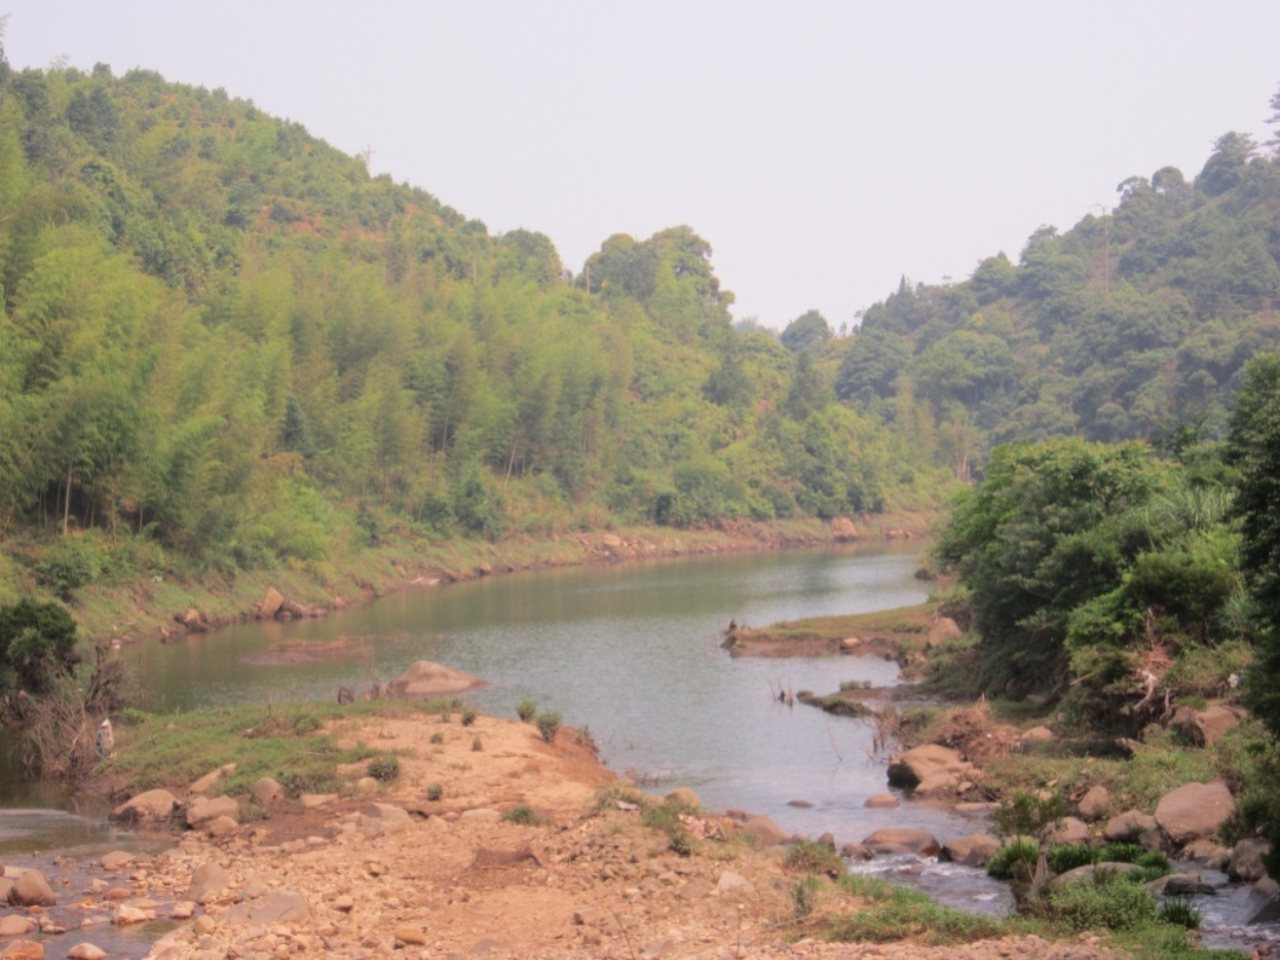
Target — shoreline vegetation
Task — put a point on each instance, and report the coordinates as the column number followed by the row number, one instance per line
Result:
column 166, row 607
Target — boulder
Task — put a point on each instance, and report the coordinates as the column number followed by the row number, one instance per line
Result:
column 30, row 889
column 380, row 819
column 902, row 840
column 426, row 679
column 1194, row 810
column 938, row 783
column 882, row 801
column 116, row 860
column 211, row 779
column 1095, row 803
column 151, row 805
column 207, row 881
column 855, row 851
column 910, row 768
column 734, row 883
column 222, row 826
column 23, row 950
column 1127, row 825
column 943, row 630
column 765, row 832
column 1207, row 726
column 86, row 951
column 16, row 925
column 271, row 604
column 268, row 792
column 206, row 809
column 1069, row 830
column 843, row 530
column 1090, row 870
column 1184, row 885
column 280, row 907
column 1206, row 850
column 971, row 851
column 1038, row 735
column 1246, row 860
column 126, row 916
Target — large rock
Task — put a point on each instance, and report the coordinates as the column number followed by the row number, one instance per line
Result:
column 207, row 881
column 30, row 889
column 910, row 768
column 16, row 925
column 882, row 801
column 843, row 529
column 1246, row 860
column 379, row 819
column 23, row 950
column 1095, row 804
column 765, row 832
column 1194, row 810
column 86, row 951
column 151, row 805
column 271, row 604
column 902, row 840
column 1038, row 735
column 280, row 907
column 116, row 860
column 206, row 809
column 937, row 783
column 1207, row 726
column 426, row 679
column 1090, row 871
column 972, row 851
column 268, row 792
column 1069, row 830
column 211, row 779
column 1128, row 825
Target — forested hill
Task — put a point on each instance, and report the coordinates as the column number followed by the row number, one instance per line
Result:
column 1133, row 324
column 224, row 336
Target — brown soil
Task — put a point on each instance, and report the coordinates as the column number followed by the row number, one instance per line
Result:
column 456, row 881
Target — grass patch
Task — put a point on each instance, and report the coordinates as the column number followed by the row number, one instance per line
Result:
column 1106, row 904
column 384, row 768
column 891, row 913
column 281, row 741
column 809, row 856
column 1013, row 859
column 524, row 815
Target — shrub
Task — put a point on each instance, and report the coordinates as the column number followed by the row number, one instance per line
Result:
column 1105, row 904
column 1014, row 858
column 477, row 745
column 1067, row 856
column 1180, row 912
column 526, row 710
column 468, row 716
column 524, row 815
column 804, row 896
column 305, row 723
column 437, row 737
column 73, row 563
column 434, row 792
column 1124, row 853
column 548, row 724
column 384, row 768
column 809, row 856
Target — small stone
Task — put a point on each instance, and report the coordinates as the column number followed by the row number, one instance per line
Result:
column 882, row 801
column 31, row 889
column 413, row 936
column 182, row 910
column 14, row 925
column 86, row 951
column 126, row 915
column 344, row 904
column 116, row 860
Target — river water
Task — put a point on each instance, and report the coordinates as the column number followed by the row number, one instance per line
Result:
column 631, row 651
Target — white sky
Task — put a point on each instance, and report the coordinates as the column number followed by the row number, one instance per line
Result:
column 823, row 148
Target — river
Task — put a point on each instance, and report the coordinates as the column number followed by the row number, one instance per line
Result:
column 629, row 650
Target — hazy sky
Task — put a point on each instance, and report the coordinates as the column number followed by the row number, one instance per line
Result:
column 823, row 148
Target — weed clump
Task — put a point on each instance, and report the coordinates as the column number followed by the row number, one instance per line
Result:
column 548, row 724
column 804, row 896
column 524, row 815
column 468, row 716
column 526, row 710
column 809, row 856
column 384, row 768
column 434, row 792
column 1107, row 903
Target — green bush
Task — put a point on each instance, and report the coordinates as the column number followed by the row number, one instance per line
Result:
column 1067, row 856
column 1124, row 853
column 809, row 856
column 1106, row 904
column 526, row 710
column 434, row 792
column 524, row 815
column 548, row 724
column 804, row 896
column 437, row 737
column 1018, row 856
column 305, row 723
column 37, row 646
column 384, row 768
column 72, row 563
column 468, row 716
column 1180, row 912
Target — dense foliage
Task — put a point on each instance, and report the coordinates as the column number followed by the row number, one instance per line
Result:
column 1103, row 574
column 222, row 335
column 37, row 647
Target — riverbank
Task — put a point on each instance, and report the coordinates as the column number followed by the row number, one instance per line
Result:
column 167, row 603
column 493, row 840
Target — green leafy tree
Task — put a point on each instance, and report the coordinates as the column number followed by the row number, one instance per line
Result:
column 807, row 332
column 37, row 646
